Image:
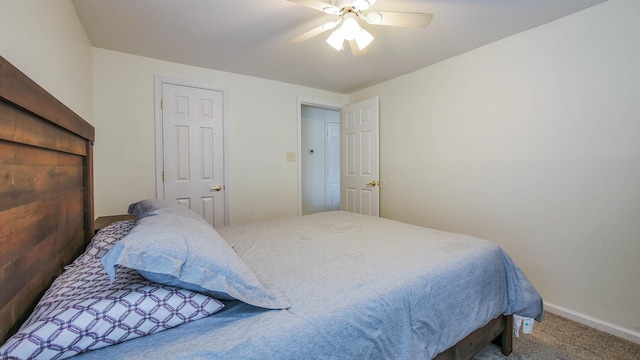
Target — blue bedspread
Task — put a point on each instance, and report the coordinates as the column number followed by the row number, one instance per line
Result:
column 360, row 288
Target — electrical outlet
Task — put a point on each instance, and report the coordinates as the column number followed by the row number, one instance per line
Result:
column 291, row 156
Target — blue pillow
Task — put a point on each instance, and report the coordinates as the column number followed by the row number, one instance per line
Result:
column 152, row 207
column 187, row 253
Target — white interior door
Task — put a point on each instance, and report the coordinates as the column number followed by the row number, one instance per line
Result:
column 360, row 165
column 193, row 150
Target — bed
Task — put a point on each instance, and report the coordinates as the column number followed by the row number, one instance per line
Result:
column 331, row 285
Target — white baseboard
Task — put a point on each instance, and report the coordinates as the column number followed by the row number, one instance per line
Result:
column 601, row 325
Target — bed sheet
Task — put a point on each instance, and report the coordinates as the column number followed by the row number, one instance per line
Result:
column 360, row 287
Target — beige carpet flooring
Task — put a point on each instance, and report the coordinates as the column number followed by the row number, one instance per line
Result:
column 559, row 338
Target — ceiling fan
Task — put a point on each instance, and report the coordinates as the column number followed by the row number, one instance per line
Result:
column 347, row 27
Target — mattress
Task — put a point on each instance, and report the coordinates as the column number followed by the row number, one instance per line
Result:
column 359, row 287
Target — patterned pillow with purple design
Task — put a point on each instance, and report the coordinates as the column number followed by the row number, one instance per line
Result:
column 105, row 239
column 83, row 310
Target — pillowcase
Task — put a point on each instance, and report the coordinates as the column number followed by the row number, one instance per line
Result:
column 83, row 310
column 151, row 207
column 183, row 252
column 105, row 239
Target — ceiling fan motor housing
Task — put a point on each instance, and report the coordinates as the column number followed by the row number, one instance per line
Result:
column 357, row 5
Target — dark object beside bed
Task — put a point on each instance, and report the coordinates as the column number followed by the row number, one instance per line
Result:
column 46, row 215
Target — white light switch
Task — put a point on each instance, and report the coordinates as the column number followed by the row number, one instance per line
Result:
column 291, row 156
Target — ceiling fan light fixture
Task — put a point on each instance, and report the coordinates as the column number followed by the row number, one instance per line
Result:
column 350, row 27
column 336, row 39
column 363, row 39
column 350, row 30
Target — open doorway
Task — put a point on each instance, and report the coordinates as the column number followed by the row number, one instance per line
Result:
column 319, row 158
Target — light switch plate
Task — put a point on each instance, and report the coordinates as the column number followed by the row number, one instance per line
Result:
column 291, row 156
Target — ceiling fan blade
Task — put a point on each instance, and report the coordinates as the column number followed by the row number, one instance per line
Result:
column 403, row 19
column 355, row 50
column 313, row 32
column 318, row 5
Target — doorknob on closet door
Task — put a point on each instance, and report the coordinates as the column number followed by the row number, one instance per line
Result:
column 216, row 188
column 373, row 183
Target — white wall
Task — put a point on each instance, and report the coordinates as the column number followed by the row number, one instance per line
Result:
column 531, row 142
column 262, row 128
column 46, row 41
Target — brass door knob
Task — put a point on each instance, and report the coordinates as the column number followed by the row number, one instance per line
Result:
column 216, row 188
column 372, row 183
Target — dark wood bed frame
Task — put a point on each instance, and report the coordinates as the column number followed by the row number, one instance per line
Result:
column 46, row 204
column 498, row 331
column 46, row 192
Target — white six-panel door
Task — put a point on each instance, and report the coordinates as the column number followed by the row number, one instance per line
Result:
column 360, row 167
column 192, row 135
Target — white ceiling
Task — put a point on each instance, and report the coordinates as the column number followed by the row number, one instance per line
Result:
column 248, row 36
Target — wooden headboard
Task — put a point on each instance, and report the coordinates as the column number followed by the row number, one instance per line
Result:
column 46, row 192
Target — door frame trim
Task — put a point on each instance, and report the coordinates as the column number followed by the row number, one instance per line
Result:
column 302, row 101
column 157, row 97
